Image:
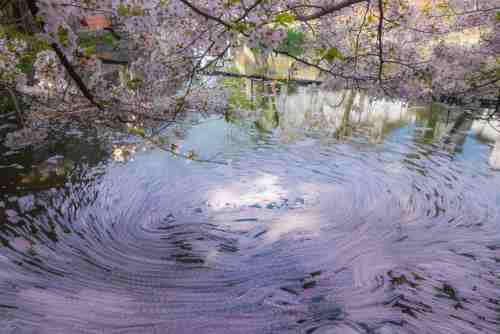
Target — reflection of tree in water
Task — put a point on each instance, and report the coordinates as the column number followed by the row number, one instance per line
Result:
column 299, row 109
column 295, row 110
column 438, row 130
column 458, row 133
column 443, row 125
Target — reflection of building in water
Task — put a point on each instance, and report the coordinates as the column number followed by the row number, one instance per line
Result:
column 495, row 155
column 295, row 110
column 338, row 113
column 489, row 131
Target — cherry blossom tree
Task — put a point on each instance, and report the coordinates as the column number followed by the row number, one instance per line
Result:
column 406, row 49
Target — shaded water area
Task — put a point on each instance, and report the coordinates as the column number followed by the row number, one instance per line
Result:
column 325, row 213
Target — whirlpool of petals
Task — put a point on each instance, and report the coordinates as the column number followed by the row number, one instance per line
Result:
column 352, row 238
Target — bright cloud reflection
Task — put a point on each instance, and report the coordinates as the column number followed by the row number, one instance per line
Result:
column 262, row 190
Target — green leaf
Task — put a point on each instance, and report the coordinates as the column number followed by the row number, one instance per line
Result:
column 109, row 39
column 231, row 3
column 137, row 131
column 293, row 43
column 332, row 54
column 63, row 36
column 127, row 10
column 89, row 51
column 26, row 62
column 285, row 19
column 241, row 27
column 123, row 10
column 26, row 68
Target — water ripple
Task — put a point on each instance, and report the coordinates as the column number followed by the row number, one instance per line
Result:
column 350, row 238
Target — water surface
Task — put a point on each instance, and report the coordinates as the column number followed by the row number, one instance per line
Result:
column 322, row 213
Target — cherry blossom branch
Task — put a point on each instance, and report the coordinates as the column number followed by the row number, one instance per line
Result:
column 76, row 78
column 249, row 10
column 363, row 23
column 205, row 14
column 329, row 9
column 324, row 70
column 67, row 65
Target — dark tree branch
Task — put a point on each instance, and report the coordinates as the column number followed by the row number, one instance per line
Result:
column 66, row 63
column 329, row 9
column 249, row 9
column 261, row 77
column 76, row 78
column 380, row 40
column 205, row 14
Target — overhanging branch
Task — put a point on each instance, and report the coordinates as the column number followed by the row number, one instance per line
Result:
column 67, row 65
column 329, row 9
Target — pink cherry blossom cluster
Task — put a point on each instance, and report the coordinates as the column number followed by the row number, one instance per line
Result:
column 406, row 48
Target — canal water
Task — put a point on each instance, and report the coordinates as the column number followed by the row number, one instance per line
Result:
column 298, row 211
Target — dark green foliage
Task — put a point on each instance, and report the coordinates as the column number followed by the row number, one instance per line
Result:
column 293, row 44
column 89, row 41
